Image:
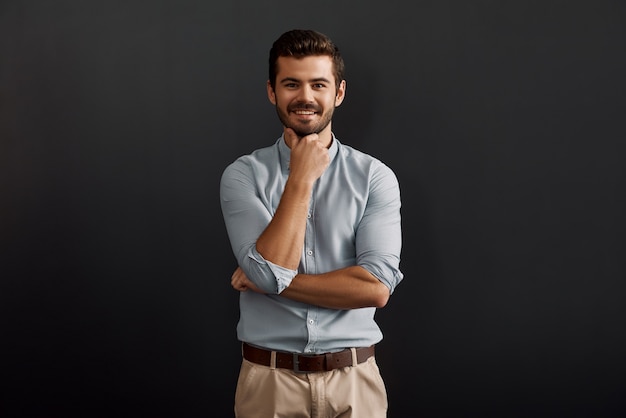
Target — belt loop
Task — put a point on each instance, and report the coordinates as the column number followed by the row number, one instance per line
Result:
column 273, row 359
column 355, row 361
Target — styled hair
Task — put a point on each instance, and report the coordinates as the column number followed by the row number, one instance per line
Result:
column 299, row 43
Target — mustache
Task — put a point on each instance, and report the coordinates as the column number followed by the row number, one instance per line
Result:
column 304, row 106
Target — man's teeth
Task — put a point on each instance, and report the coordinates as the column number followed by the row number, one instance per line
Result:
column 304, row 112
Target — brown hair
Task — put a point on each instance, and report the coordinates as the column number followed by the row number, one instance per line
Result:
column 299, row 43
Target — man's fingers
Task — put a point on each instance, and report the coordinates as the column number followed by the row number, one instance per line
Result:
column 291, row 138
column 237, row 280
column 239, row 285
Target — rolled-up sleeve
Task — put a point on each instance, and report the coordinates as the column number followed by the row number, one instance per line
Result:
column 246, row 216
column 379, row 235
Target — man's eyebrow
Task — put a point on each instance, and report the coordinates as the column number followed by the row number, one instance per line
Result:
column 315, row 80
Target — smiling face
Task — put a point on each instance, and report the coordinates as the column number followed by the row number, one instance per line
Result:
column 305, row 94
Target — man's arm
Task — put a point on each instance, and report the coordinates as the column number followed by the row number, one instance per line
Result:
column 283, row 239
column 348, row 288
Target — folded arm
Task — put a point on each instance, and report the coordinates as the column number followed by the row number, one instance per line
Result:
column 348, row 288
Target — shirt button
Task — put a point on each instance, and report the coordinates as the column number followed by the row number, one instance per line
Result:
column 309, row 252
column 308, row 215
column 311, row 321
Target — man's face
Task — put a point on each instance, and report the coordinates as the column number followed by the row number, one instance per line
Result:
column 305, row 94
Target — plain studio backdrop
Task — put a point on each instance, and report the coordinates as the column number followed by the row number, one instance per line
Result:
column 504, row 122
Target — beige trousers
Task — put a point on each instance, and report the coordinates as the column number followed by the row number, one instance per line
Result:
column 350, row 392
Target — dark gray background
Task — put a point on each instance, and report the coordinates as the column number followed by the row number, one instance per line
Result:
column 504, row 122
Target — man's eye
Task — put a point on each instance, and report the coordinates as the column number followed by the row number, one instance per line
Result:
column 290, row 85
column 319, row 86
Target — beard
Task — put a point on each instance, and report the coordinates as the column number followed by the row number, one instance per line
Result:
column 304, row 129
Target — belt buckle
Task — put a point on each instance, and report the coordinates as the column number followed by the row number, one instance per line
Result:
column 296, row 363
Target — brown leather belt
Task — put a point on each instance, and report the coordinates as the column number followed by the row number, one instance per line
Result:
column 306, row 363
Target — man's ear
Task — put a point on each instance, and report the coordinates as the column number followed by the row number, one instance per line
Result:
column 341, row 93
column 270, row 93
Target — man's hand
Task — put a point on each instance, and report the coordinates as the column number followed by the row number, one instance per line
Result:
column 309, row 157
column 239, row 281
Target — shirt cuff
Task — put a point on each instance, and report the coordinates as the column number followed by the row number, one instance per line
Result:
column 282, row 275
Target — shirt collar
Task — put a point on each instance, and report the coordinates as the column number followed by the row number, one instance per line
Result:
column 285, row 151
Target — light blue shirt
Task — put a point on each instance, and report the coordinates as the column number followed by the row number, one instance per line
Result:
column 354, row 219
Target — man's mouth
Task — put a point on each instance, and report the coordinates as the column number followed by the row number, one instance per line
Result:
column 304, row 112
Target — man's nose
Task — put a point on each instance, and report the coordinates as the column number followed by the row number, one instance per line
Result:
column 305, row 94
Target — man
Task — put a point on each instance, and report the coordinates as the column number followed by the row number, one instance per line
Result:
column 315, row 227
